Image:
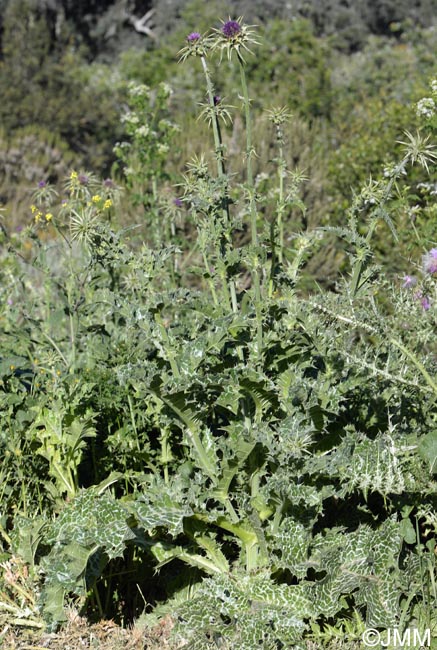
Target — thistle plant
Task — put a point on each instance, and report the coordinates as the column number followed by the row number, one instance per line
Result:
column 233, row 37
column 279, row 117
column 215, row 111
column 373, row 200
column 281, row 449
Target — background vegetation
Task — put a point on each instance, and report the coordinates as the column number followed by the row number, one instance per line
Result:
column 217, row 334
column 349, row 73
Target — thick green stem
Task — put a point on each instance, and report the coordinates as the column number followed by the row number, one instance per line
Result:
column 252, row 205
column 218, row 144
column 210, row 282
column 215, row 127
column 280, row 224
column 249, row 154
column 165, row 453
column 281, row 203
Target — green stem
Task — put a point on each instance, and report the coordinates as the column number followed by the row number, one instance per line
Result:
column 71, row 311
column 217, row 135
column 277, row 519
column 417, row 363
column 98, row 601
column 5, row 536
column 52, row 342
column 210, row 282
column 280, row 224
column 252, row 204
column 360, row 264
column 132, row 417
column 249, row 153
column 65, row 479
column 194, row 434
column 281, row 203
column 167, row 345
column 218, row 144
column 165, row 454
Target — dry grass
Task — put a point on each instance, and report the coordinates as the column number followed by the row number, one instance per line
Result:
column 77, row 634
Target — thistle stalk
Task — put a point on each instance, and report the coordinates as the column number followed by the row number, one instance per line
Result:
column 218, row 144
column 278, row 116
column 221, row 170
column 281, row 170
column 249, row 152
column 252, row 202
column 361, row 262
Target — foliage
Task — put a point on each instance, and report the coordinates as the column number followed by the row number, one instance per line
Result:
column 40, row 75
column 187, row 409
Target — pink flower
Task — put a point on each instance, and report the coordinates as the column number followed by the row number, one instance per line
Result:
column 425, row 302
column 430, row 261
column 409, row 281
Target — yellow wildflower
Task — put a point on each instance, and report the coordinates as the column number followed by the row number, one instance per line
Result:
column 38, row 216
column 107, row 204
column 73, row 176
column 11, row 367
column 33, row 208
column 49, row 216
column 96, row 198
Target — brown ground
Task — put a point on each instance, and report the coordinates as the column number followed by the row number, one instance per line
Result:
column 78, row 635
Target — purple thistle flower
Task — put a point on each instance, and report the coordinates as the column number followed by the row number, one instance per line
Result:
column 108, row 183
column 430, row 261
column 193, row 37
column 42, row 184
column 231, row 29
column 425, row 302
column 83, row 179
column 18, row 228
column 217, row 99
column 409, row 281
column 178, row 202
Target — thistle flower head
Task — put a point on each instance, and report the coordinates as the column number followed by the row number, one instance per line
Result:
column 197, row 45
column 426, row 303
column 218, row 110
column 234, row 36
column 83, row 179
column 423, row 299
column 430, row 261
column 409, row 281
column 418, row 150
column 279, row 115
column 231, row 29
